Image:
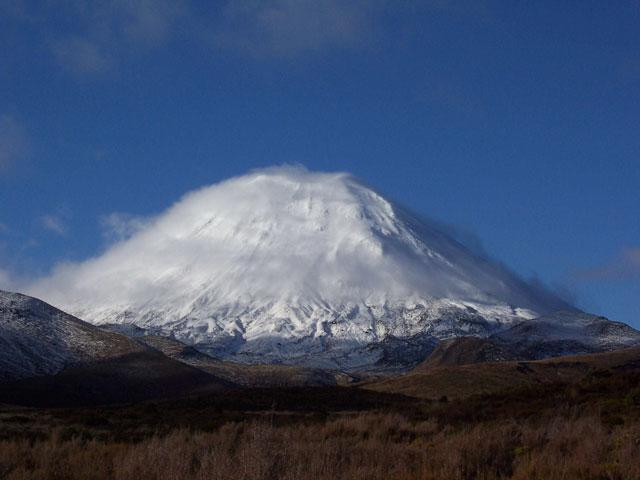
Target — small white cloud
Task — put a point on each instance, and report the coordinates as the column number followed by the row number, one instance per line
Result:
column 290, row 27
column 54, row 223
column 148, row 22
column 120, row 226
column 14, row 143
column 80, row 55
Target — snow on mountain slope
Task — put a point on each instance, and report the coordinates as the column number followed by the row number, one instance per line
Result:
column 558, row 334
column 284, row 265
column 567, row 333
column 38, row 339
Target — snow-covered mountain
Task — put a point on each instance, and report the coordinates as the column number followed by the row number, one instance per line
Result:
column 285, row 265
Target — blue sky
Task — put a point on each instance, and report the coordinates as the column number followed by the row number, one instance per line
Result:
column 516, row 122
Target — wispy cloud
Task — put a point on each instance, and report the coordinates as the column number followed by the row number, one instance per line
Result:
column 290, row 27
column 92, row 38
column 150, row 22
column 626, row 265
column 14, row 142
column 106, row 32
column 121, row 226
column 80, row 55
column 55, row 223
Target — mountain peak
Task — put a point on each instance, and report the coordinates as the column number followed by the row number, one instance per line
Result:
column 285, row 256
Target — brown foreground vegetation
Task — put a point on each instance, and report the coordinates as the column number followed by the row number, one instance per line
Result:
column 578, row 430
column 366, row 445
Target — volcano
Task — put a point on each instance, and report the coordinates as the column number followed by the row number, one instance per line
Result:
column 289, row 266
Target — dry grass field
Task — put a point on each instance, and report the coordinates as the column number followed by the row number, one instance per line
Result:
column 567, row 429
column 459, row 381
column 368, row 445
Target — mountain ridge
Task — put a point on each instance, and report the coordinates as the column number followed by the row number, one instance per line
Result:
column 48, row 357
column 65, row 361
